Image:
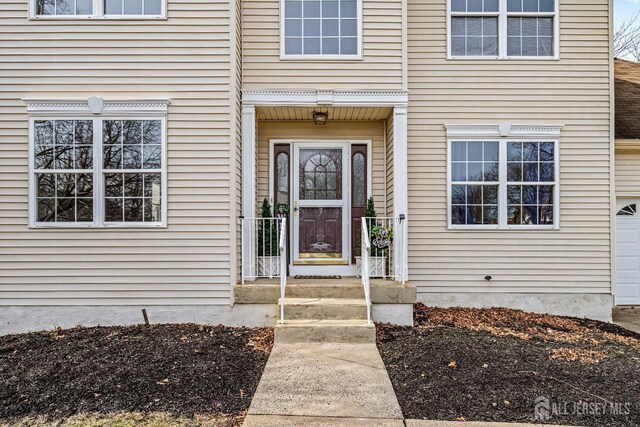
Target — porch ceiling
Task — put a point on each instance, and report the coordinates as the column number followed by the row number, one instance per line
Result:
column 335, row 113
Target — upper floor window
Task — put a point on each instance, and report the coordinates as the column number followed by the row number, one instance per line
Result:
column 132, row 9
column 503, row 29
column 321, row 29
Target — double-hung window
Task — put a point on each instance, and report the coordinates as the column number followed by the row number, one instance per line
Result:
column 133, row 9
column 89, row 171
column 329, row 29
column 503, row 184
column 503, row 29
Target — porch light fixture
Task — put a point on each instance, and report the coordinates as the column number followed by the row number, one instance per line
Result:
column 320, row 118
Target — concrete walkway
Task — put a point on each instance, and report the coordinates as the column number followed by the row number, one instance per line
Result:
column 627, row 317
column 322, row 384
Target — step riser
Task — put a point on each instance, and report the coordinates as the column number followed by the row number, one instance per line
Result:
column 338, row 334
column 324, row 292
column 328, row 312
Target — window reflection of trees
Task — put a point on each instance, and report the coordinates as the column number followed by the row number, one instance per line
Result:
column 321, row 175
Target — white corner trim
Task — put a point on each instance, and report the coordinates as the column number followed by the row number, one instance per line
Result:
column 503, row 130
column 303, row 98
column 94, row 106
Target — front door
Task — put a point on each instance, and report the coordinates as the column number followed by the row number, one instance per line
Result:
column 321, row 209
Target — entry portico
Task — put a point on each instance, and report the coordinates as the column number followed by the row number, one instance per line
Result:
column 364, row 148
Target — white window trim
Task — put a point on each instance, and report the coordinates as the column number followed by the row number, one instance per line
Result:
column 502, row 33
column 503, row 133
column 98, row 13
column 288, row 57
column 82, row 110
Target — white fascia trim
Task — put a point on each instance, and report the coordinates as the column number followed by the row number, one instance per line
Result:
column 303, row 98
column 96, row 106
column 503, row 130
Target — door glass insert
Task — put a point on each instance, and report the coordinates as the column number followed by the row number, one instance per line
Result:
column 320, row 174
column 320, row 232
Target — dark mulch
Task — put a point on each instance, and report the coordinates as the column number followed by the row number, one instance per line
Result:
column 181, row 369
column 492, row 365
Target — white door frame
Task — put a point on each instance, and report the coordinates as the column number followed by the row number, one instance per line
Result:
column 348, row 269
column 344, row 204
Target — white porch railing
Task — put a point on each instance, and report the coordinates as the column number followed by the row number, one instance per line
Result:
column 263, row 252
column 365, row 255
column 387, row 256
column 282, row 253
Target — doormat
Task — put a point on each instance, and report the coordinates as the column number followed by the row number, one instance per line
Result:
column 317, row 277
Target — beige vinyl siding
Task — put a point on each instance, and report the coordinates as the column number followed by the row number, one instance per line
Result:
column 628, row 174
column 184, row 59
column 574, row 91
column 333, row 130
column 380, row 68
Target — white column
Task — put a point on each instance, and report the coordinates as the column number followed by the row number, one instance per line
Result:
column 248, row 191
column 400, row 189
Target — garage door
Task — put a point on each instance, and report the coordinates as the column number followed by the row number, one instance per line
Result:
column 628, row 253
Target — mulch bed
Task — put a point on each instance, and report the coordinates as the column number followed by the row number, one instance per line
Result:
column 492, row 365
column 181, row 369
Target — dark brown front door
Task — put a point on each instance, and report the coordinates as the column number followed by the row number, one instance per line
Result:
column 320, row 204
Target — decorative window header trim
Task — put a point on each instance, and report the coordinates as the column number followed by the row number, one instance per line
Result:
column 325, row 97
column 503, row 130
column 96, row 106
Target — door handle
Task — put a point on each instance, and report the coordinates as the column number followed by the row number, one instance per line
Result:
column 295, row 208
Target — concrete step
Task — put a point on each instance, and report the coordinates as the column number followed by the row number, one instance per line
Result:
column 320, row 290
column 267, row 291
column 324, row 308
column 308, row 330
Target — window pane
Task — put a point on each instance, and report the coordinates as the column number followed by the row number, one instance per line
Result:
column 84, row 7
column 529, row 5
column 113, row 210
column 113, row 7
column 311, row 46
column 459, row 172
column 348, row 9
column 293, row 27
column 474, row 151
column 349, row 46
column 65, row 7
column 474, row 36
column 530, row 37
column 311, row 28
column 113, row 185
column 474, row 5
column 330, row 9
column 152, row 157
column 547, row 5
column 45, row 7
column 458, row 26
column 293, row 9
column 330, row 27
column 458, row 5
column 514, row 5
column 331, row 46
column 311, row 9
column 152, row 7
column 491, row 5
column 133, row 7
column 293, row 46
column 348, row 27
